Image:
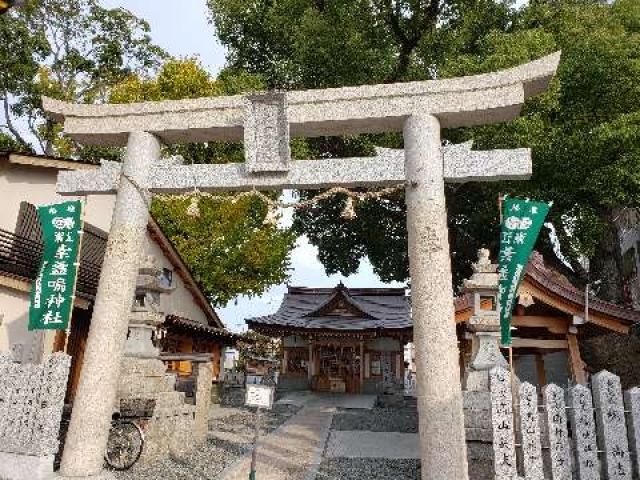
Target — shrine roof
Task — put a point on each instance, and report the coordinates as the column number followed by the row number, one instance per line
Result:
column 340, row 308
column 180, row 324
column 22, row 266
column 559, row 286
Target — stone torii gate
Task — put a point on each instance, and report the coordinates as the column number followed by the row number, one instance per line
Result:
column 265, row 122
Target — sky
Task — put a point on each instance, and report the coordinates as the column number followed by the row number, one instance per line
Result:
column 185, row 31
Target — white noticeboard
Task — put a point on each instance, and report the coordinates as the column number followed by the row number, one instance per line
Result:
column 260, row 396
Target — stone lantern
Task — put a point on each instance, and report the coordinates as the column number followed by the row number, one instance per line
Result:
column 484, row 324
column 146, row 315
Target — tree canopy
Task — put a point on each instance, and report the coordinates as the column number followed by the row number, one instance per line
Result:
column 79, row 51
column 73, row 50
column 584, row 131
column 230, row 248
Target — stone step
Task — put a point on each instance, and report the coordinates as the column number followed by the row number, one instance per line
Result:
column 131, row 386
column 145, row 367
column 175, row 411
column 170, row 399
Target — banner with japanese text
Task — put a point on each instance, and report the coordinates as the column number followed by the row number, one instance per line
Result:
column 521, row 225
column 53, row 290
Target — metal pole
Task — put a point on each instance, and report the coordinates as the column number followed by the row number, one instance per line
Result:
column 254, row 454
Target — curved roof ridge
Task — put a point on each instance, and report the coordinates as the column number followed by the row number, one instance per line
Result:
column 340, row 290
column 549, row 278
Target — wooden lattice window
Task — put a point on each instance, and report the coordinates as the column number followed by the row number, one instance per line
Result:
column 297, row 361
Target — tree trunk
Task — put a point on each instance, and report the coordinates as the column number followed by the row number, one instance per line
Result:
column 606, row 265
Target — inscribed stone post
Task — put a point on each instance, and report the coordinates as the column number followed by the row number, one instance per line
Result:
column 504, row 449
column 557, row 432
column 530, row 431
column 31, row 402
column 632, row 401
column 607, row 396
column 584, row 433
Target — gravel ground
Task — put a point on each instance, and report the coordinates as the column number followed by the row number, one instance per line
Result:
column 402, row 419
column 208, row 461
column 244, row 422
column 368, row 469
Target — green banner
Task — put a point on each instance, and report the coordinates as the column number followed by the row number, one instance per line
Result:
column 53, row 290
column 521, row 225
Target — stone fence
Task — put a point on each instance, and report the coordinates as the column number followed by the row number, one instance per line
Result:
column 577, row 433
column 31, row 402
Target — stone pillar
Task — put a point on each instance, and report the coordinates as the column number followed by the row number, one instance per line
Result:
column 203, row 402
column 441, row 424
column 95, row 399
column 223, row 361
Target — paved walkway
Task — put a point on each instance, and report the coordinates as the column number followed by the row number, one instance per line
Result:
column 363, row 444
column 291, row 452
column 328, row 400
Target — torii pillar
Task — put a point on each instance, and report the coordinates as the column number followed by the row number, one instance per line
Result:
column 419, row 109
column 439, row 395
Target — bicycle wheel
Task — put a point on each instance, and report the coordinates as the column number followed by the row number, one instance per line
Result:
column 124, row 445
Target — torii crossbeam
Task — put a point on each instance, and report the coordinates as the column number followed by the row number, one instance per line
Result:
column 264, row 122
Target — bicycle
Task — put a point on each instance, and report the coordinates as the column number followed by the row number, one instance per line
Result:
column 124, row 445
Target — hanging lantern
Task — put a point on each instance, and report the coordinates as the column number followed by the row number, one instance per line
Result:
column 349, row 212
column 193, row 210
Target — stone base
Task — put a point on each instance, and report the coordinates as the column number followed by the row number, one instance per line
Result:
column 169, row 434
column 25, row 467
column 104, row 475
column 480, row 461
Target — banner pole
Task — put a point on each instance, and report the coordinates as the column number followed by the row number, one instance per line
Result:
column 75, row 280
column 254, row 454
column 510, row 348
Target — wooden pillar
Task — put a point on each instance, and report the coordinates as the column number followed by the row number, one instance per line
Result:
column 285, row 360
column 367, row 365
column 310, row 362
column 575, row 360
column 361, row 366
column 60, row 341
column 541, row 373
column 215, row 350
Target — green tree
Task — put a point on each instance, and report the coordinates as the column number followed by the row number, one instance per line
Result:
column 68, row 49
column 254, row 345
column 583, row 131
column 229, row 247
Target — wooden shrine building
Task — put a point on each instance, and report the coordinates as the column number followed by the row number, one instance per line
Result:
column 340, row 339
column 557, row 338
column 352, row 339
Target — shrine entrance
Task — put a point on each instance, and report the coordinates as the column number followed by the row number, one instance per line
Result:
column 264, row 122
column 338, row 368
